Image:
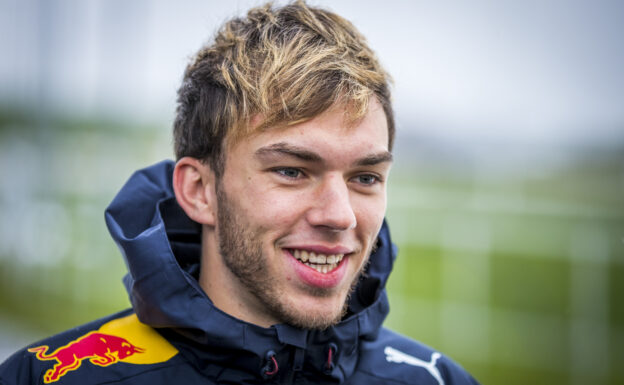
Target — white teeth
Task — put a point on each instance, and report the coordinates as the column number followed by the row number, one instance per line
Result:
column 319, row 262
column 322, row 268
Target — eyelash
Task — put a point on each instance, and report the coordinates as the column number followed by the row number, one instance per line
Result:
column 375, row 179
column 283, row 171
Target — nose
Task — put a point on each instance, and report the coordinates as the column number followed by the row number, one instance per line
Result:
column 332, row 208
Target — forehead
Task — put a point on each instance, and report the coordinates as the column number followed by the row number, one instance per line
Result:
column 330, row 130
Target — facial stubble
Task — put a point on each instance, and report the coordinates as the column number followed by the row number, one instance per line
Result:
column 241, row 248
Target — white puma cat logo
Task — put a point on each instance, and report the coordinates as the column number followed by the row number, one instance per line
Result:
column 393, row 355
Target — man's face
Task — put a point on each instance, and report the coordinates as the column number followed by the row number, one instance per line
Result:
column 299, row 210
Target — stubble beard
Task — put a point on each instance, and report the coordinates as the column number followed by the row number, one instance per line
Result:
column 240, row 246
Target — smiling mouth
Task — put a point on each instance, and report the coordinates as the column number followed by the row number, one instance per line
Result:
column 320, row 262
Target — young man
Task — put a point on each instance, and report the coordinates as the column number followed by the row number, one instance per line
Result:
column 262, row 254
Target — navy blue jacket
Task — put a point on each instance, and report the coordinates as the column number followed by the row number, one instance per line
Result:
column 175, row 335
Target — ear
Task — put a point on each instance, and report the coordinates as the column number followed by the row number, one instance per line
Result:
column 194, row 188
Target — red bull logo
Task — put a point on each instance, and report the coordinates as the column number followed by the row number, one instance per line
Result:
column 100, row 349
column 106, row 346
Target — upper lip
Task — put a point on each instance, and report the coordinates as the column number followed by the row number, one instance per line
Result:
column 319, row 249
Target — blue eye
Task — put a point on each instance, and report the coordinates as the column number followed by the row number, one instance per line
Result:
column 289, row 172
column 367, row 179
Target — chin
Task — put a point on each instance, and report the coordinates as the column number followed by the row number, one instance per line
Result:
column 316, row 320
column 315, row 313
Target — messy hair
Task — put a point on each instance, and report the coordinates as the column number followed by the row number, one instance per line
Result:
column 275, row 67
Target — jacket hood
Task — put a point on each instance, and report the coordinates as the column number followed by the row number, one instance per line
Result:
column 161, row 247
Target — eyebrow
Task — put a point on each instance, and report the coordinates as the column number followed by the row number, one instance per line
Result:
column 374, row 159
column 283, row 148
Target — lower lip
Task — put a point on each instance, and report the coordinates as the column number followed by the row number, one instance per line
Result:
column 321, row 280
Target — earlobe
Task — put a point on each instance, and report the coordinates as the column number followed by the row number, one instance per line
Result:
column 194, row 188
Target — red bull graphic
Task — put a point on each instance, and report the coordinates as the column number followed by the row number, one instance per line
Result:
column 100, row 349
column 107, row 346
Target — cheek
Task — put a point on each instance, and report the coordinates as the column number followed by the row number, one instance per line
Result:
column 272, row 207
column 370, row 211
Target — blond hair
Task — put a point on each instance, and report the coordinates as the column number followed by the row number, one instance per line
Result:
column 276, row 66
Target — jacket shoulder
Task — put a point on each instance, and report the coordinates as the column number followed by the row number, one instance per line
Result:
column 108, row 349
column 396, row 359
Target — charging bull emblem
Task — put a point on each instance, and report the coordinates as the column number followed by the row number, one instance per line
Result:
column 100, row 349
column 107, row 345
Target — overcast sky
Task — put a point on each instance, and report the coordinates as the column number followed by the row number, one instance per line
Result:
column 534, row 71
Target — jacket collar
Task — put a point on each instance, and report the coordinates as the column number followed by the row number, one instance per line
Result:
column 161, row 246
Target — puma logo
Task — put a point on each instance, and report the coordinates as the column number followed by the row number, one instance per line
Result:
column 393, row 355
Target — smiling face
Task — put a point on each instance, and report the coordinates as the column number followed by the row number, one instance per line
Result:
column 298, row 212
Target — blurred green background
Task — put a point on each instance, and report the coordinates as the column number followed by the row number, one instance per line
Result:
column 506, row 198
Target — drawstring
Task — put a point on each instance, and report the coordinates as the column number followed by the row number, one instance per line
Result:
column 267, row 370
column 270, row 369
column 331, row 352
